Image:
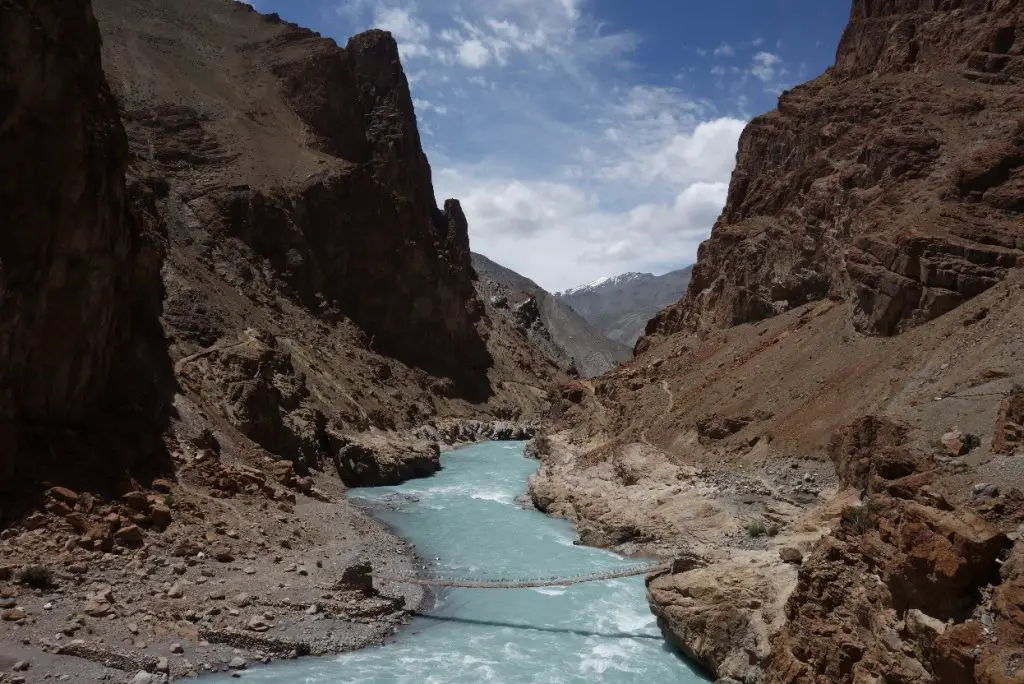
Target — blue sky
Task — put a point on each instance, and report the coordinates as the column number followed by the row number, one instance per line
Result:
column 588, row 137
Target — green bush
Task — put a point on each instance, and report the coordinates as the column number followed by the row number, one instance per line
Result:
column 861, row 519
column 757, row 528
column 36, row 576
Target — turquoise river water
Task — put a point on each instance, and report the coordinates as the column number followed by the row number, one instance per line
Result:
column 467, row 519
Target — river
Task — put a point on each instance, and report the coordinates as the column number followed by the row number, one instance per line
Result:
column 466, row 519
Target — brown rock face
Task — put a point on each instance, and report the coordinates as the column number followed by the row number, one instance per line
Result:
column 893, row 181
column 324, row 195
column 72, row 262
column 874, row 596
column 1009, row 432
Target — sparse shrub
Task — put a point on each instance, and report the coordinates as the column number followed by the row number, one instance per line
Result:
column 303, row 649
column 773, row 530
column 36, row 576
column 169, row 500
column 861, row 519
column 757, row 528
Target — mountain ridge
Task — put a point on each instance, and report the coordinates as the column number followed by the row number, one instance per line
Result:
column 568, row 338
column 621, row 306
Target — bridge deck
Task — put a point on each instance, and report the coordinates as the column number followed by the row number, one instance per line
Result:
column 523, row 583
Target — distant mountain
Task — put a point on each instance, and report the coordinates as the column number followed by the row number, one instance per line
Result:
column 559, row 332
column 620, row 306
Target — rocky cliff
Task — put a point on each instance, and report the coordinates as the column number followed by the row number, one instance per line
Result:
column 893, row 181
column 823, row 434
column 552, row 326
column 77, row 262
column 305, row 158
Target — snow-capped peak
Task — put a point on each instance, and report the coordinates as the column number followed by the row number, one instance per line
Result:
column 603, row 281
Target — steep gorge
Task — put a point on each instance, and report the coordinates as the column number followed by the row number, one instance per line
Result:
column 227, row 294
column 817, row 431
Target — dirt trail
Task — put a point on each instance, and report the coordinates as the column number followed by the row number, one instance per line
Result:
column 181, row 363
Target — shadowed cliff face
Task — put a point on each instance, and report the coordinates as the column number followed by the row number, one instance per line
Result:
column 892, row 181
column 77, row 276
column 65, row 246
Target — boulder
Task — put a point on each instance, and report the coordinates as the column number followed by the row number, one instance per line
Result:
column 34, row 521
column 283, row 472
column 130, row 537
column 257, row 624
column 137, row 501
column 13, row 615
column 64, row 495
column 160, row 516
column 788, row 554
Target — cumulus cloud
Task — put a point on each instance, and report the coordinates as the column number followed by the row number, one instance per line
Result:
column 766, row 66
column 562, row 236
column 428, row 106
column 411, row 33
column 474, row 54
column 640, row 197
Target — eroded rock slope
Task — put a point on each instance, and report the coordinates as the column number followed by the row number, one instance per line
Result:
column 824, row 433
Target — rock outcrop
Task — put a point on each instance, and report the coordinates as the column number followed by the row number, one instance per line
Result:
column 864, row 184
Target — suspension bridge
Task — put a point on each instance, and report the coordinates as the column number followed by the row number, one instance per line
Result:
column 438, row 580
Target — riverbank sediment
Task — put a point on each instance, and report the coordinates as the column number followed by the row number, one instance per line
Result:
column 243, row 571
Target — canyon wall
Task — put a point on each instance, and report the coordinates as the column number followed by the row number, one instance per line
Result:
column 823, row 434
column 893, row 181
column 75, row 265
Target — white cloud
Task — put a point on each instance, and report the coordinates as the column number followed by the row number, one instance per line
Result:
column 765, row 66
column 428, row 106
column 562, row 237
column 641, row 196
column 474, row 54
column 411, row 33
column 402, row 23
column 725, row 50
